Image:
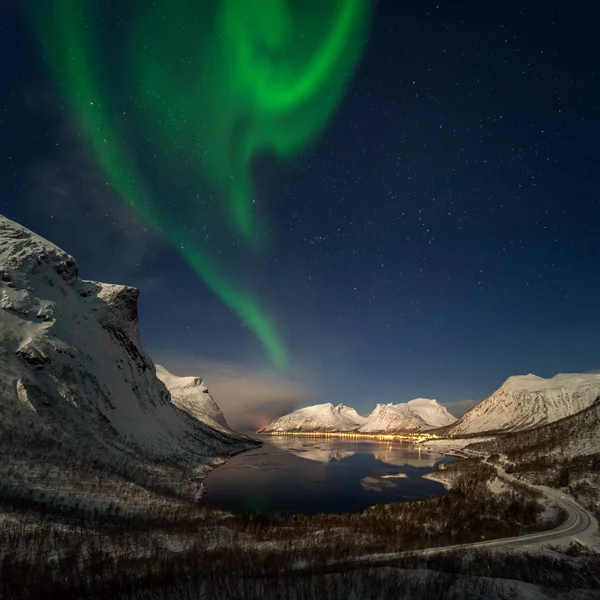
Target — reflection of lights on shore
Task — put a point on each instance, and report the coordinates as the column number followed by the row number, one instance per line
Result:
column 416, row 438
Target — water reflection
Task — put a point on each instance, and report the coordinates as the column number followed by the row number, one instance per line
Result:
column 421, row 459
column 319, row 451
column 311, row 475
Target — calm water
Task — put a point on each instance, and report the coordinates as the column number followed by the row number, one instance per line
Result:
column 297, row 474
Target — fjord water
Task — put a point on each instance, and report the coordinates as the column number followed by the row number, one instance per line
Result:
column 316, row 475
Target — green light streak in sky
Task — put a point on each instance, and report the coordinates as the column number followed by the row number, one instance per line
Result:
column 219, row 83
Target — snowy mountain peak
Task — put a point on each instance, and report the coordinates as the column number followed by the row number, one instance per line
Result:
column 191, row 395
column 423, row 402
column 387, row 418
column 24, row 254
column 431, row 412
column 318, row 418
column 525, row 401
column 351, row 414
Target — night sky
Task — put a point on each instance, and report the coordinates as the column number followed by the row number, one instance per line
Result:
column 439, row 234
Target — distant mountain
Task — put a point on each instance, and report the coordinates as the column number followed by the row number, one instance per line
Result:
column 420, row 414
column 318, row 418
column 528, row 401
column 417, row 415
column 386, row 418
column 574, row 437
column 352, row 415
column 76, row 386
column 432, row 413
column 191, row 395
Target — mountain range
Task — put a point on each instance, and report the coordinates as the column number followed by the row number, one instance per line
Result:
column 420, row 414
column 521, row 403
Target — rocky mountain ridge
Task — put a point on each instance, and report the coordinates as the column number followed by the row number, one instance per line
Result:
column 76, row 386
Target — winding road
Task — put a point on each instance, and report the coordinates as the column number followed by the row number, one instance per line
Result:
column 578, row 527
column 579, row 523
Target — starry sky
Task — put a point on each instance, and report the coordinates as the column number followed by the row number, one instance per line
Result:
column 438, row 235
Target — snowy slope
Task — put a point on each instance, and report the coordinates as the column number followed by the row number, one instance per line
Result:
column 76, row 384
column 191, row 395
column 351, row 414
column 575, row 436
column 431, row 412
column 420, row 414
column 318, row 418
column 387, row 418
column 528, row 401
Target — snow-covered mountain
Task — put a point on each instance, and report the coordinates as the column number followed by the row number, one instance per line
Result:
column 434, row 414
column 420, row 414
column 351, row 414
column 570, row 438
column 386, row 418
column 318, row 418
column 77, row 387
column 527, row 401
column 191, row 395
column 417, row 415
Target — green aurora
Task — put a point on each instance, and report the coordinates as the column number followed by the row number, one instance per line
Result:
column 209, row 85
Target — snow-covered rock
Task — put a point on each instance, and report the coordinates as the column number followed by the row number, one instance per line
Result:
column 318, row 418
column 76, row 384
column 528, row 401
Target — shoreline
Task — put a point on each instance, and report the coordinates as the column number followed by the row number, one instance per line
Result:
column 434, row 476
column 414, row 437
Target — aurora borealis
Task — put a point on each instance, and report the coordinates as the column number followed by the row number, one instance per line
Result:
column 211, row 86
column 398, row 199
